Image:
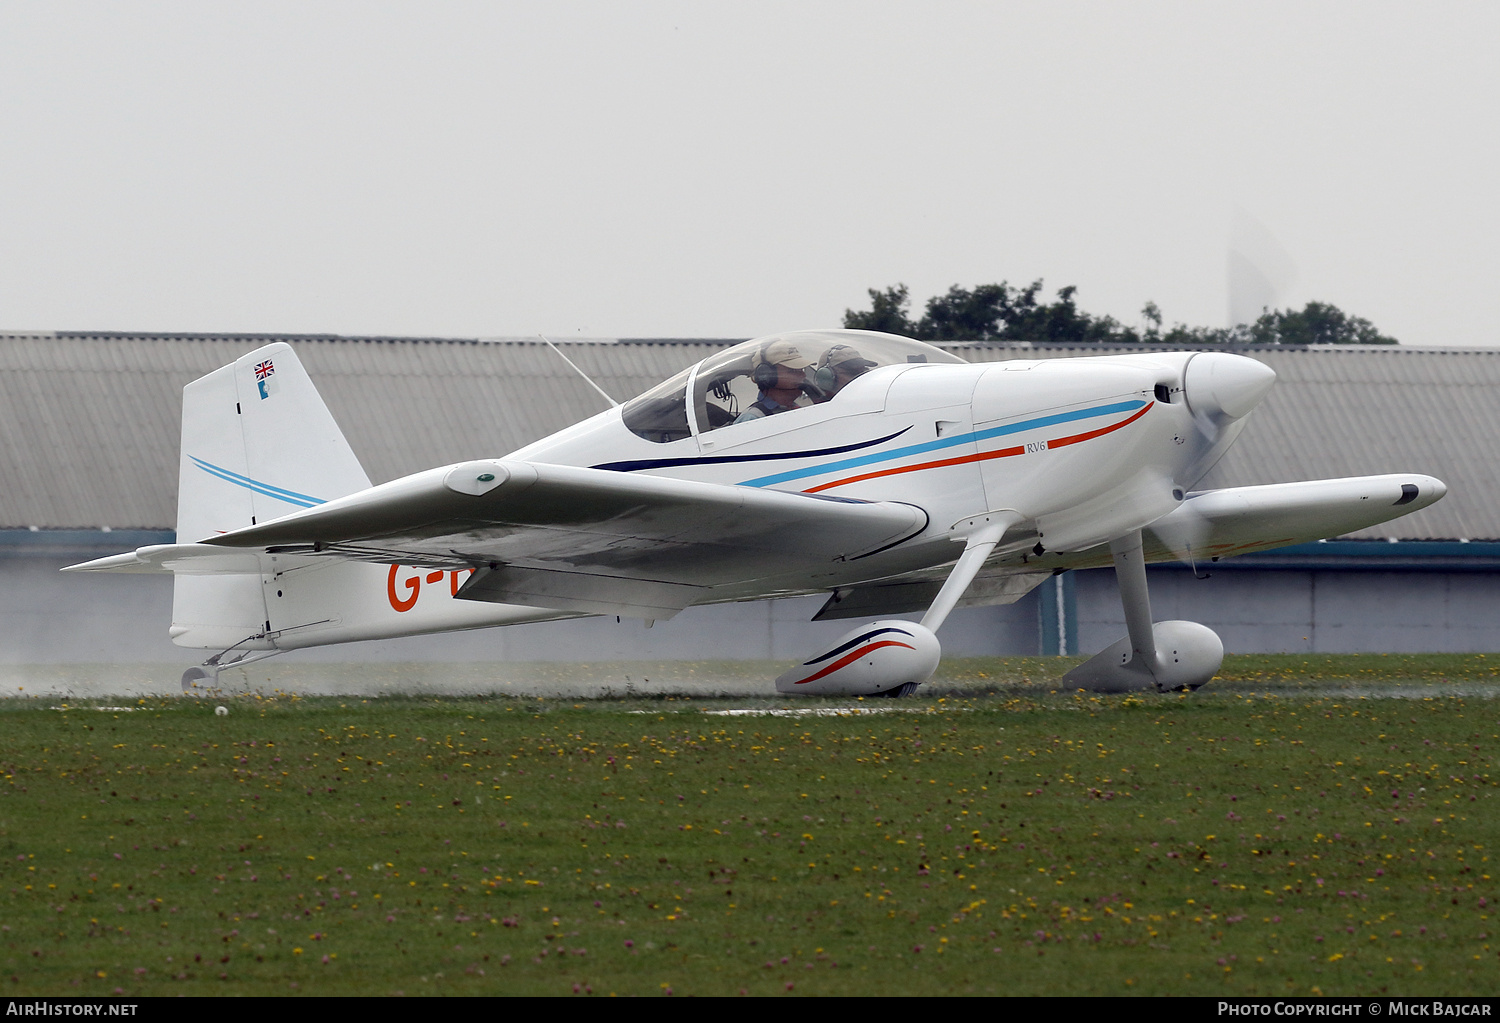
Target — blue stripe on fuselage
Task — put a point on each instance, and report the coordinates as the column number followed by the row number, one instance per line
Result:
column 945, row 442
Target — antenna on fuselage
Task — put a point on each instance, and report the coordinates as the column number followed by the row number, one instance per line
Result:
column 602, row 392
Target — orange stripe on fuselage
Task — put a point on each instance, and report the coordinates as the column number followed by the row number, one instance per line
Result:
column 982, row 456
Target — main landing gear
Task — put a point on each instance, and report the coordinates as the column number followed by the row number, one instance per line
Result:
column 894, row 657
column 1161, row 657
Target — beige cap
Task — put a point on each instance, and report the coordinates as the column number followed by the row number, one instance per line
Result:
column 784, row 353
column 845, row 356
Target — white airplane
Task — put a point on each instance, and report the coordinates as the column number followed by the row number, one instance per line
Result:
column 889, row 474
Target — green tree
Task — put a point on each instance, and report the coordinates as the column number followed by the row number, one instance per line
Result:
column 989, row 312
column 1151, row 313
column 1317, row 323
column 963, row 315
column 1000, row 312
column 887, row 312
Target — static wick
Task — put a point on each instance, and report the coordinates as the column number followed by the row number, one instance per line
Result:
column 602, row 392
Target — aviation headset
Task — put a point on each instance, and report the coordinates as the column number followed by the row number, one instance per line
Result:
column 765, row 374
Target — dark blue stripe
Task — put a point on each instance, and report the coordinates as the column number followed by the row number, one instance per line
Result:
column 667, row 463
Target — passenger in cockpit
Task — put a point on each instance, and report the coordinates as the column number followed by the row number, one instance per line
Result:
column 780, row 374
column 840, row 365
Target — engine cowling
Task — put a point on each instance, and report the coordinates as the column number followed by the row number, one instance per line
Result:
column 872, row 660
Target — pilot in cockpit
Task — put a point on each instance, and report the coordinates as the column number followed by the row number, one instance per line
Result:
column 780, row 374
column 839, row 366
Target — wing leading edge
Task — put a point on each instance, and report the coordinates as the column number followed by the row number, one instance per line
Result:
column 1242, row 520
column 1239, row 520
column 577, row 539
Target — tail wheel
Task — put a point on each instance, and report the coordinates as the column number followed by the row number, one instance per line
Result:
column 193, row 676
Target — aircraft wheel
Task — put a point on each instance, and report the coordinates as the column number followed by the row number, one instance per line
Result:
column 904, row 689
column 193, row 676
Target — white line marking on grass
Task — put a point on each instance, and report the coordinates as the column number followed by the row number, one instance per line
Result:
column 811, row 712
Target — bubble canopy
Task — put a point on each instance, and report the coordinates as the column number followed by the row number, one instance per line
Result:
column 743, row 382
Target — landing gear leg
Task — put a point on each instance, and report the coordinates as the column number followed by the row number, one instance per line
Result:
column 1162, row 657
column 208, row 671
column 892, row 658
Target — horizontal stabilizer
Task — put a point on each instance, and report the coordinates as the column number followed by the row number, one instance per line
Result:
column 181, row 559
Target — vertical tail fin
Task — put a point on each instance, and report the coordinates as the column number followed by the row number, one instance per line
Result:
column 257, row 443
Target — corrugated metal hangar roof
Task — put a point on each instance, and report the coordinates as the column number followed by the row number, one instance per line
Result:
column 89, row 421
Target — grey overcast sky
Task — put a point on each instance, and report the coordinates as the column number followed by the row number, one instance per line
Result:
column 733, row 169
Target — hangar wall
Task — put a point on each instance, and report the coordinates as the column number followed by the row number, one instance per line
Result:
column 1310, row 611
column 47, row 617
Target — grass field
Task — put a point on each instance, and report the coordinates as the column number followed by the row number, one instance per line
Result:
column 1303, row 826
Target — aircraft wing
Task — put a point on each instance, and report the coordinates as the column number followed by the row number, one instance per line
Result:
column 1221, row 523
column 1207, row 525
column 1239, row 520
column 561, row 536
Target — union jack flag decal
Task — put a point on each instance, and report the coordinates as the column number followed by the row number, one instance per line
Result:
column 265, row 379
